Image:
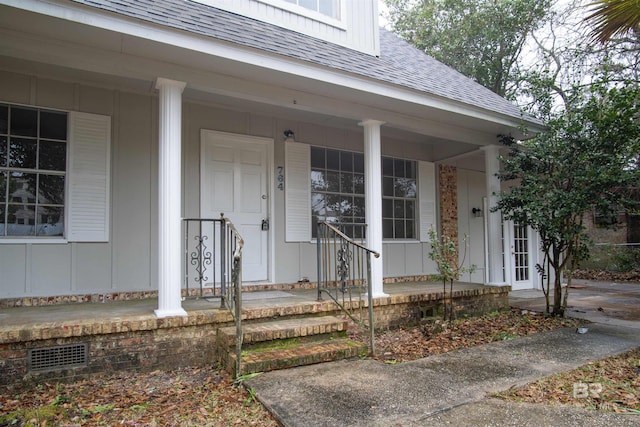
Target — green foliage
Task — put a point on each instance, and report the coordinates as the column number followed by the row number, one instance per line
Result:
column 588, row 159
column 614, row 18
column 444, row 252
column 482, row 39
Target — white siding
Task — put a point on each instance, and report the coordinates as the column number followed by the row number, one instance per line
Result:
column 357, row 29
column 471, row 190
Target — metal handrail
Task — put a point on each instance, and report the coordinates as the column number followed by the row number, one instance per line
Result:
column 223, row 265
column 233, row 297
column 345, row 259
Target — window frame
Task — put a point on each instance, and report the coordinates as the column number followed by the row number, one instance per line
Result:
column 38, row 171
column 328, row 192
column 338, row 22
column 404, row 199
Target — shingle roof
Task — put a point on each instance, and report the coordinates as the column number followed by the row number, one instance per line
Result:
column 399, row 62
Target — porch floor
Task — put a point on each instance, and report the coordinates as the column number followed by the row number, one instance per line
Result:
column 21, row 318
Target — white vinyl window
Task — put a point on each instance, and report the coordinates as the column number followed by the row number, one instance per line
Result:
column 337, row 187
column 33, row 153
column 330, row 8
column 399, row 198
column 54, row 175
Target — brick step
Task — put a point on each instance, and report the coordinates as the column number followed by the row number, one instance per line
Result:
column 281, row 329
column 305, row 352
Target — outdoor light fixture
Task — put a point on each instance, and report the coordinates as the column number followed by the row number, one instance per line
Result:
column 477, row 212
column 289, row 135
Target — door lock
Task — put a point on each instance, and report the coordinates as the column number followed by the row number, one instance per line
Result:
column 265, row 224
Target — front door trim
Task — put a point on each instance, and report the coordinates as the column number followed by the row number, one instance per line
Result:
column 241, row 138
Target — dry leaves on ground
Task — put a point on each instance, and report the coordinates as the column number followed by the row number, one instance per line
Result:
column 436, row 337
column 612, row 384
column 189, row 396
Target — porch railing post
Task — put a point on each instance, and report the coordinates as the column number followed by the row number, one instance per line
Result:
column 223, row 260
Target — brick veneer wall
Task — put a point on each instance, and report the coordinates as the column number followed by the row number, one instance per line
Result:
column 146, row 343
column 448, row 178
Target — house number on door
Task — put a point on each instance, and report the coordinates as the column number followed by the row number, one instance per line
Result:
column 280, row 177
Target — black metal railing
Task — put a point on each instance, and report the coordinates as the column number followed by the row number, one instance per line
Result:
column 213, row 262
column 344, row 271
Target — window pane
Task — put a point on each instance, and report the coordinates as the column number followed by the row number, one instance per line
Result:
column 318, row 206
column 405, row 188
column 398, row 208
column 333, row 206
column 24, row 121
column 50, row 221
column 358, row 184
column 329, row 8
column 358, row 162
column 53, row 155
column 318, row 157
column 22, row 188
column 53, row 125
column 309, row 4
column 399, row 229
column 347, row 208
column 333, row 160
column 51, row 189
column 410, row 229
column 387, row 186
column 411, row 169
column 346, row 161
column 4, row 119
column 21, row 220
column 387, row 166
column 333, row 181
column 318, row 181
column 387, row 208
column 22, row 153
column 387, row 228
column 398, row 167
column 3, row 151
column 346, row 183
column 3, row 193
column 358, row 206
column 410, row 209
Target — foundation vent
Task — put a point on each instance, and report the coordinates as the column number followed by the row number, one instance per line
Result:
column 58, row 357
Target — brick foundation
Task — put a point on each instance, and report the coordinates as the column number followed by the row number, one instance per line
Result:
column 146, row 343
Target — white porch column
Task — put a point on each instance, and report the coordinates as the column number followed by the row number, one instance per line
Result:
column 494, row 221
column 169, row 198
column 373, row 199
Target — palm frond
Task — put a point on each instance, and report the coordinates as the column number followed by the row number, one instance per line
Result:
column 614, row 17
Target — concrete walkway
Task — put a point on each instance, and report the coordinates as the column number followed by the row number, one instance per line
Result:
column 452, row 388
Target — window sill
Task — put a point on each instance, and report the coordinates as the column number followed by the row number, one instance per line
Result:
column 10, row 241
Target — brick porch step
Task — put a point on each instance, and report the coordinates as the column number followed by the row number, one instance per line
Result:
column 287, row 343
column 305, row 353
column 282, row 329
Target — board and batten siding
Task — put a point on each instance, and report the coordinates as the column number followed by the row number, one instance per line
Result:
column 111, row 252
column 357, row 29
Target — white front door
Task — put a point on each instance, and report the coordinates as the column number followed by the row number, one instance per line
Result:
column 521, row 268
column 233, row 181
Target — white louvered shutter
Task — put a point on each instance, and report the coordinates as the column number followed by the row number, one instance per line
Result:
column 427, row 194
column 297, row 173
column 88, row 196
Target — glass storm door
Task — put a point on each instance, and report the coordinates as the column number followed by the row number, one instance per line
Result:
column 521, row 270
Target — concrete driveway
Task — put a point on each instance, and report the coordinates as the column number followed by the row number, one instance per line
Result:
column 602, row 302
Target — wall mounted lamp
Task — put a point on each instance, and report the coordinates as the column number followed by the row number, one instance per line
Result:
column 289, row 136
column 476, row 212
